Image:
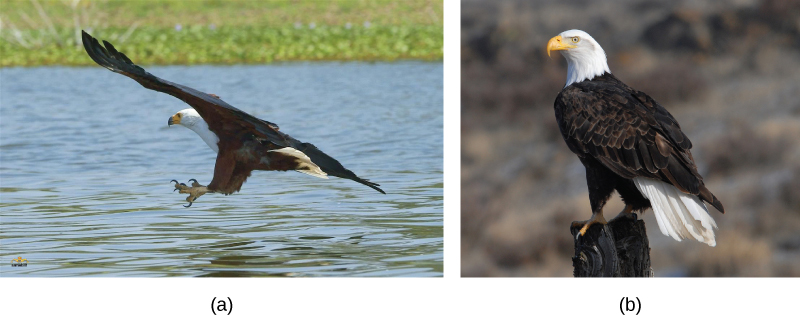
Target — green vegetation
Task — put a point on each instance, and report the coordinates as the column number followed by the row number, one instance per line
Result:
column 221, row 32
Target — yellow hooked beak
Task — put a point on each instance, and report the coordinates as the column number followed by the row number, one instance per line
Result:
column 557, row 44
column 175, row 119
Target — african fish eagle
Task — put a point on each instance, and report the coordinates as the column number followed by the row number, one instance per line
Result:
column 629, row 143
column 243, row 143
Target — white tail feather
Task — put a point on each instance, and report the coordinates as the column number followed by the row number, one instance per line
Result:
column 304, row 164
column 679, row 215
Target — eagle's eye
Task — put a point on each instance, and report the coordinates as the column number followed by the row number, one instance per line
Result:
column 576, row 39
column 179, row 116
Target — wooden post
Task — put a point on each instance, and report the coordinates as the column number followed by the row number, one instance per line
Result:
column 618, row 249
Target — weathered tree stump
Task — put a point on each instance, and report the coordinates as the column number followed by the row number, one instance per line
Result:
column 618, row 249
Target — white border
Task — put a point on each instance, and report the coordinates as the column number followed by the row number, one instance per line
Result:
column 450, row 296
column 452, row 139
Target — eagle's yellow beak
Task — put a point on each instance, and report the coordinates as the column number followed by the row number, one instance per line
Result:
column 558, row 44
column 175, row 119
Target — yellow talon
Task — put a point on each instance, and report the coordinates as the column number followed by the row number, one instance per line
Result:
column 595, row 219
column 194, row 192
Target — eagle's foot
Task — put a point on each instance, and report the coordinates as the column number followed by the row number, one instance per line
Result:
column 628, row 211
column 597, row 218
column 194, row 192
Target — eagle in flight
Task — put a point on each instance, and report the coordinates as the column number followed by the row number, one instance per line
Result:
column 628, row 143
column 243, row 143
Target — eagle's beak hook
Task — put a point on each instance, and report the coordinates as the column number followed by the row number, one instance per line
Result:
column 557, row 44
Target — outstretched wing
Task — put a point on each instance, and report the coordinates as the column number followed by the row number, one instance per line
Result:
column 222, row 118
column 629, row 133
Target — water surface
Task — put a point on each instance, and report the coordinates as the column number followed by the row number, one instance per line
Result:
column 86, row 158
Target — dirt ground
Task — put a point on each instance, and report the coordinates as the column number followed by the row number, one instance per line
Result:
column 729, row 71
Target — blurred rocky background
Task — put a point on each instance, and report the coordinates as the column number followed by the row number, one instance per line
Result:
column 729, row 71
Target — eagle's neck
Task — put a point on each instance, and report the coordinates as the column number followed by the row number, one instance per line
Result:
column 200, row 127
column 586, row 65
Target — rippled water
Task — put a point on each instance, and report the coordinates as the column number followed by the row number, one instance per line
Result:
column 86, row 158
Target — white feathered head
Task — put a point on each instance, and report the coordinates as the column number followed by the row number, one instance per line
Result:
column 191, row 119
column 585, row 58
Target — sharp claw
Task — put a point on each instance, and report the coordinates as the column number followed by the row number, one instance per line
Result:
column 176, row 182
column 182, row 184
column 187, row 206
column 174, row 190
column 192, row 179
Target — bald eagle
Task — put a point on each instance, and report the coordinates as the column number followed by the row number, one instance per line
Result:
column 629, row 143
column 243, row 143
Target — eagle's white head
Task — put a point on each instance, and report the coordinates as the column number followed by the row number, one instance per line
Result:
column 585, row 58
column 191, row 119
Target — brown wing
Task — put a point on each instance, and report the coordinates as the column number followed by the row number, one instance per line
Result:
column 629, row 133
column 222, row 118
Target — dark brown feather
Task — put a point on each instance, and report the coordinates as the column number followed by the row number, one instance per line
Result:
column 223, row 169
column 628, row 133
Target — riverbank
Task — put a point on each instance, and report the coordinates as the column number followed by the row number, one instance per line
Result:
column 167, row 32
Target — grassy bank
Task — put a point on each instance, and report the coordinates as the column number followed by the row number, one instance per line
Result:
column 216, row 32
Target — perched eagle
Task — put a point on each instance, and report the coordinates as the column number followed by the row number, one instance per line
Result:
column 628, row 143
column 243, row 143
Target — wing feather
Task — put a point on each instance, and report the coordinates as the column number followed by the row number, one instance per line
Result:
column 629, row 133
column 222, row 118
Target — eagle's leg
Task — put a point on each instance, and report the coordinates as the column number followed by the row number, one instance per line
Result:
column 624, row 213
column 596, row 218
column 194, row 192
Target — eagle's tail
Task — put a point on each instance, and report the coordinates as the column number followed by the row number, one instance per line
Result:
column 679, row 215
